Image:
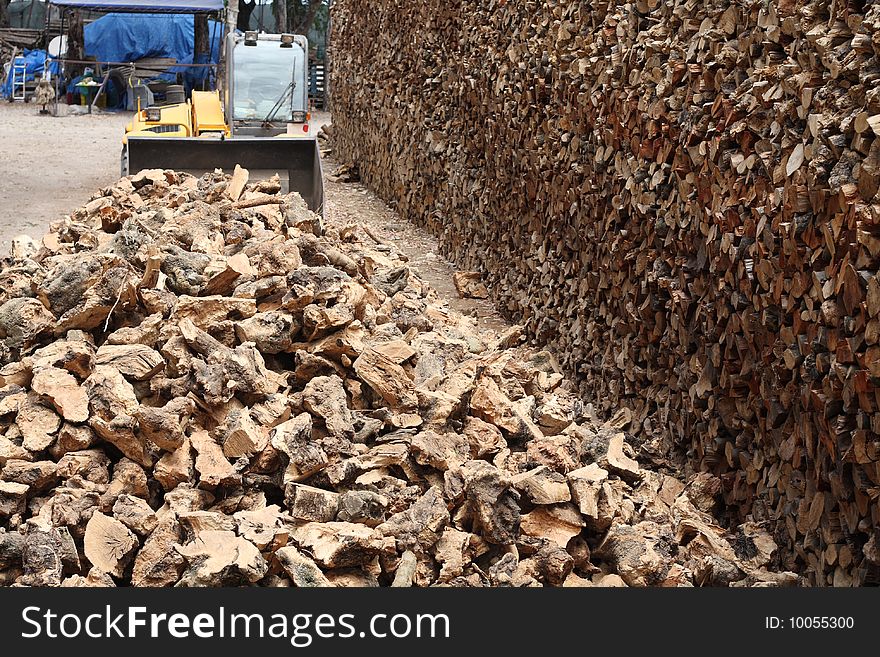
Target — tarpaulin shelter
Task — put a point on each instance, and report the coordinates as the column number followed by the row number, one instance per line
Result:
column 130, row 37
column 121, row 39
column 152, row 7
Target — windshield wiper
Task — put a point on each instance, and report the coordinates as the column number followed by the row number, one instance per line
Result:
column 267, row 122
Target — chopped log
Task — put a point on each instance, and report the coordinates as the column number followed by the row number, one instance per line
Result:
column 38, row 424
column 175, row 467
column 13, row 498
column 109, row 544
column 362, row 506
column 90, row 465
column 485, row 439
column 491, row 501
column 128, row 478
column 113, row 404
column 241, row 436
column 469, row 285
column 294, row 439
column 47, row 554
column 489, row 403
column 71, row 438
column 312, row 504
column 271, row 332
column 23, row 321
column 196, row 522
column 406, row 570
column 559, row 523
column 440, row 451
column 455, row 550
column 618, row 462
column 223, row 283
column 325, row 398
column 237, row 182
column 420, row 526
column 211, row 464
column 136, row 514
column 75, row 354
column 220, row 558
column 263, row 527
column 62, row 390
column 302, row 570
column 95, row 578
column 338, row 544
column 165, row 426
column 36, row 474
column 634, row 552
column 542, row 486
column 134, row 361
column 586, row 488
column 388, row 379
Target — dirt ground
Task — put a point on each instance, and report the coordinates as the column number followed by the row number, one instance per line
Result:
column 52, row 165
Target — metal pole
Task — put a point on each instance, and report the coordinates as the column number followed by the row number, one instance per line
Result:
column 46, row 39
column 211, row 28
column 60, row 59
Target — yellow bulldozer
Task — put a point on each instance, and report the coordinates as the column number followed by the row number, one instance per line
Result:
column 260, row 120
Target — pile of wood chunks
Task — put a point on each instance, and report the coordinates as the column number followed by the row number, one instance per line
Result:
column 202, row 385
column 681, row 198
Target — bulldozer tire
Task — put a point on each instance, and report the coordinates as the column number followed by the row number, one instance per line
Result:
column 123, row 162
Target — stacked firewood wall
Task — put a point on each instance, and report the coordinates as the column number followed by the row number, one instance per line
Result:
column 680, row 197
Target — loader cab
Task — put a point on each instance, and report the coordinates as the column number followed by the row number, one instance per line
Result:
column 267, row 91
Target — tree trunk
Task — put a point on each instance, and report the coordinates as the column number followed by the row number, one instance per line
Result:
column 279, row 9
column 76, row 48
column 202, row 44
column 328, row 65
column 4, row 13
column 245, row 11
column 306, row 24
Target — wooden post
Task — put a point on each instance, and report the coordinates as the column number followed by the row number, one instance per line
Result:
column 4, row 13
column 76, row 43
column 279, row 8
column 202, row 42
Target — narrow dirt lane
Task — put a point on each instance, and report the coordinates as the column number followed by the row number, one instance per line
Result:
column 353, row 203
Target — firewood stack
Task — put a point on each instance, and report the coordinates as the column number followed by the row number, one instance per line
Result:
column 199, row 390
column 681, row 198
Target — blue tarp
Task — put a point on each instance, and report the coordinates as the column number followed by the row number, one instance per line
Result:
column 126, row 38
column 129, row 37
column 151, row 6
column 35, row 62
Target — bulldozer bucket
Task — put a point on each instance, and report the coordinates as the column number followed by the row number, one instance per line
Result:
column 296, row 160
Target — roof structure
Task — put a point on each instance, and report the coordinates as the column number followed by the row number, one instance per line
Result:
column 152, row 7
